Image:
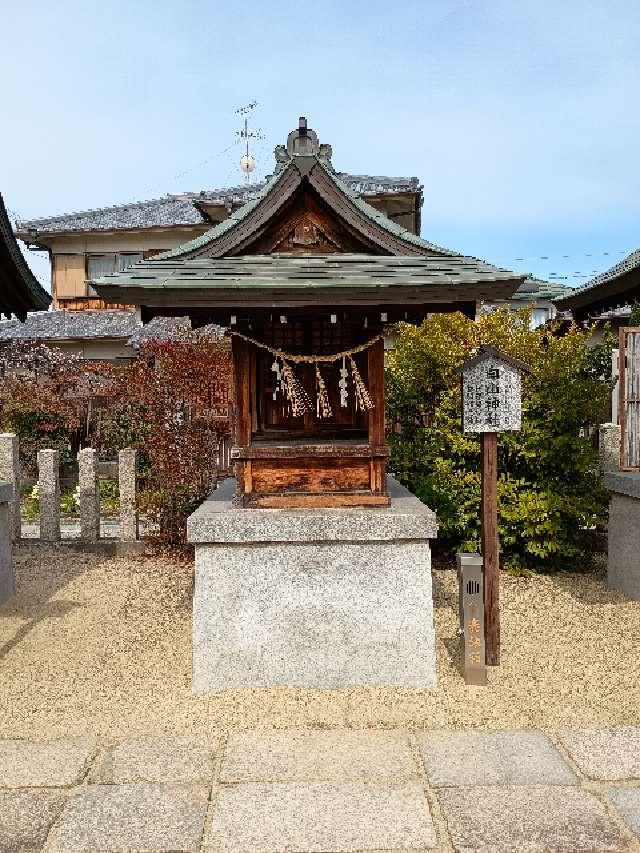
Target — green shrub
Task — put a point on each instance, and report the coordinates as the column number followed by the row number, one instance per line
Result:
column 70, row 502
column 109, row 497
column 549, row 485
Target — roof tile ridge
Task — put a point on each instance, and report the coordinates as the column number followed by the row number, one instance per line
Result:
column 392, row 179
column 93, row 210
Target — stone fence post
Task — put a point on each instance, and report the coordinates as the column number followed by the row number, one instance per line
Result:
column 609, row 447
column 89, row 495
column 7, row 578
column 127, row 489
column 49, row 489
column 10, row 471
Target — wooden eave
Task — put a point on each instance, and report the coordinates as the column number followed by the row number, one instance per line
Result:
column 44, row 239
column 621, row 290
column 20, row 290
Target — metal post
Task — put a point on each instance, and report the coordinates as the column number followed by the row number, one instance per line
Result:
column 472, row 616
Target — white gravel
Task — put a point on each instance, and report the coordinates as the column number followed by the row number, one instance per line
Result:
column 95, row 645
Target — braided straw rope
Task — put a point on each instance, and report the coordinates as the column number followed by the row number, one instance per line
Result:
column 311, row 359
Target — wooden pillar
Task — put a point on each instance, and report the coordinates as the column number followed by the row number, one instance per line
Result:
column 376, row 392
column 242, row 412
column 242, row 432
column 489, row 537
column 375, row 377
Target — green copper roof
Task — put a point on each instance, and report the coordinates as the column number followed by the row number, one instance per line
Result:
column 227, row 224
column 533, row 289
column 382, row 220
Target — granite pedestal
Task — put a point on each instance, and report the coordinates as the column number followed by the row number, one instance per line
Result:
column 623, row 570
column 318, row 598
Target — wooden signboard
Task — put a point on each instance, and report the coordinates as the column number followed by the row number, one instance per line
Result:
column 491, row 403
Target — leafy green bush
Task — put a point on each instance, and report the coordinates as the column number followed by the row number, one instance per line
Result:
column 109, row 497
column 549, row 485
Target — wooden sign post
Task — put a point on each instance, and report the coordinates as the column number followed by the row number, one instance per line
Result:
column 491, row 403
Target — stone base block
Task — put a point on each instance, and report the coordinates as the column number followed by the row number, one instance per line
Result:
column 624, row 534
column 319, row 598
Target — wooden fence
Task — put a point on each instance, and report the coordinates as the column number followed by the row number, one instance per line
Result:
column 629, row 398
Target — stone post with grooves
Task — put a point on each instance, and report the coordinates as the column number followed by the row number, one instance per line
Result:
column 89, row 495
column 609, row 438
column 127, row 489
column 7, row 577
column 10, row 472
column 49, row 489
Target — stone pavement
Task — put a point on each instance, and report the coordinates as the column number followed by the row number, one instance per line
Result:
column 325, row 792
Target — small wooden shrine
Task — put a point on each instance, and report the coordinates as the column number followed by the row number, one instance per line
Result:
column 307, row 277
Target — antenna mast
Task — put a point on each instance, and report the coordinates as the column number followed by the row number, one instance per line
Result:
column 248, row 161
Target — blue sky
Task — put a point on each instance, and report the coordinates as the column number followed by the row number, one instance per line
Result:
column 520, row 118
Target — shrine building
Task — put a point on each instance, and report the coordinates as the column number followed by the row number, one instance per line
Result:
column 307, row 276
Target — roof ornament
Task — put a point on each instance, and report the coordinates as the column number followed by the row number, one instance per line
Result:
column 302, row 142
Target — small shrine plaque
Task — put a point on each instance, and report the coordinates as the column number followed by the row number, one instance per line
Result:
column 491, row 392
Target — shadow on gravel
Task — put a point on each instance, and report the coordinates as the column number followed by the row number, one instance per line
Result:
column 37, row 583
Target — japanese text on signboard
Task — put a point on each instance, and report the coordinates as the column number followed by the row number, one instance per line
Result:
column 491, row 397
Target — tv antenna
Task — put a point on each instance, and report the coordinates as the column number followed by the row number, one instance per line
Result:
column 248, row 161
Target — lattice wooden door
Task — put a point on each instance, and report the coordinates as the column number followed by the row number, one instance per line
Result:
column 629, row 398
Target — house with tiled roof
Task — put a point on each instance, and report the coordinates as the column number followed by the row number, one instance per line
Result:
column 610, row 291
column 92, row 243
column 538, row 295
column 20, row 290
column 106, row 335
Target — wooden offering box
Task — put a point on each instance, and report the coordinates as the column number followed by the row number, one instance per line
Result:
column 309, row 460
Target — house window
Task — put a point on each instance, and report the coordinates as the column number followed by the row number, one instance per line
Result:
column 539, row 317
column 110, row 262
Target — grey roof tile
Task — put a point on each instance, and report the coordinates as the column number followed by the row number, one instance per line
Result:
column 183, row 209
column 66, row 325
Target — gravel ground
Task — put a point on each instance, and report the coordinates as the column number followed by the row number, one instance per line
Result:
column 102, row 646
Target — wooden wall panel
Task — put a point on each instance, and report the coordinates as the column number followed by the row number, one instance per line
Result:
column 310, row 475
column 69, row 278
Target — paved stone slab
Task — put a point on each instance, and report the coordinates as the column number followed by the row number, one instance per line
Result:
column 493, row 758
column 26, row 817
column 521, row 819
column 138, row 818
column 25, row 764
column 627, row 802
column 318, row 756
column 607, row 754
column 162, row 759
column 320, row 817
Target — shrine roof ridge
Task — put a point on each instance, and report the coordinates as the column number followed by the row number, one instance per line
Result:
column 280, row 176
